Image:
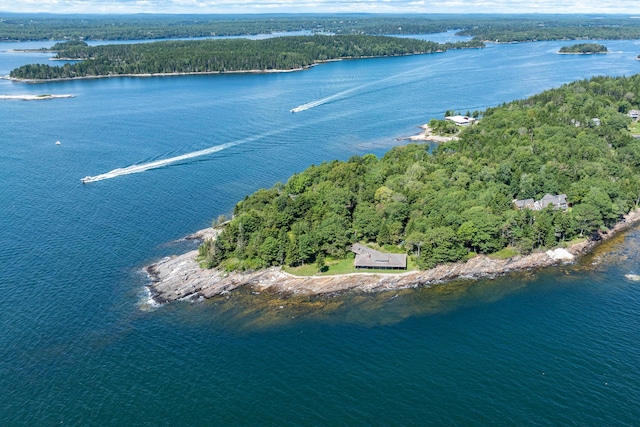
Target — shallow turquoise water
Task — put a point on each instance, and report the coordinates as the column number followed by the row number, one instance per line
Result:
column 557, row 347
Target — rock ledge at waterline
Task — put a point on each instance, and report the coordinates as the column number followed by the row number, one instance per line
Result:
column 181, row 278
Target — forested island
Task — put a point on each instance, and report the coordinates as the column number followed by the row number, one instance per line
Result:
column 227, row 55
column 457, row 201
column 584, row 49
column 500, row 28
column 527, row 30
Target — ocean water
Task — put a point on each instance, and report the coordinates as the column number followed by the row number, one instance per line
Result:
column 79, row 346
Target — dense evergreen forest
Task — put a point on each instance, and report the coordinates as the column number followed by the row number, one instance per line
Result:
column 556, row 28
column 503, row 28
column 584, row 48
column 457, row 201
column 199, row 56
column 140, row 27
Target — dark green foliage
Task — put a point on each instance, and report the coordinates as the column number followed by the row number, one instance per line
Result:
column 78, row 44
column 440, row 245
column 584, row 48
column 138, row 27
column 443, row 127
column 505, row 28
column 457, row 201
column 555, row 27
column 206, row 56
column 321, row 263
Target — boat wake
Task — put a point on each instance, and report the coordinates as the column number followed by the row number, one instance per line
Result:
column 339, row 95
column 345, row 93
column 165, row 162
column 158, row 163
column 312, row 104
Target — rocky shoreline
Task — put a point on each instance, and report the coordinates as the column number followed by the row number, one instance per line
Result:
column 428, row 135
column 181, row 278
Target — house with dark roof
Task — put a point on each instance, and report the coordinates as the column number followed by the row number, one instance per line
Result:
column 370, row 258
column 558, row 201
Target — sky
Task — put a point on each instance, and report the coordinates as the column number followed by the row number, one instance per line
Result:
column 322, row 6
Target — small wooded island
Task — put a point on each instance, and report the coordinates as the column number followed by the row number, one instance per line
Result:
column 584, row 49
column 531, row 175
column 220, row 56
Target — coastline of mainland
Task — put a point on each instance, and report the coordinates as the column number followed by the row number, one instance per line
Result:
column 181, row 278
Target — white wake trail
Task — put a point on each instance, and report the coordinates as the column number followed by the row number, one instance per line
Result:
column 344, row 93
column 164, row 162
column 312, row 104
column 158, row 163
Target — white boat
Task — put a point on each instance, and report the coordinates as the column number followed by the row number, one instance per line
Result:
column 57, row 142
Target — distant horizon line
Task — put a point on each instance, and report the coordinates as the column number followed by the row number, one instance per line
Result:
column 346, row 13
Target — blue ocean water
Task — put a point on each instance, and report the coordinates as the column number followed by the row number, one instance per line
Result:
column 78, row 345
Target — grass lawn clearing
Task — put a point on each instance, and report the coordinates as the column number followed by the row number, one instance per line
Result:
column 342, row 266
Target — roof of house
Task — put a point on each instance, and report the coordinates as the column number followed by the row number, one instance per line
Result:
column 461, row 120
column 370, row 258
column 559, row 200
column 526, row 203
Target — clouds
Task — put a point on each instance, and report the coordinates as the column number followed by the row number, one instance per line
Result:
column 320, row 6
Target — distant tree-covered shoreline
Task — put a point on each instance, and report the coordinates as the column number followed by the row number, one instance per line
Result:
column 229, row 55
column 528, row 28
column 502, row 28
column 152, row 27
column 458, row 201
